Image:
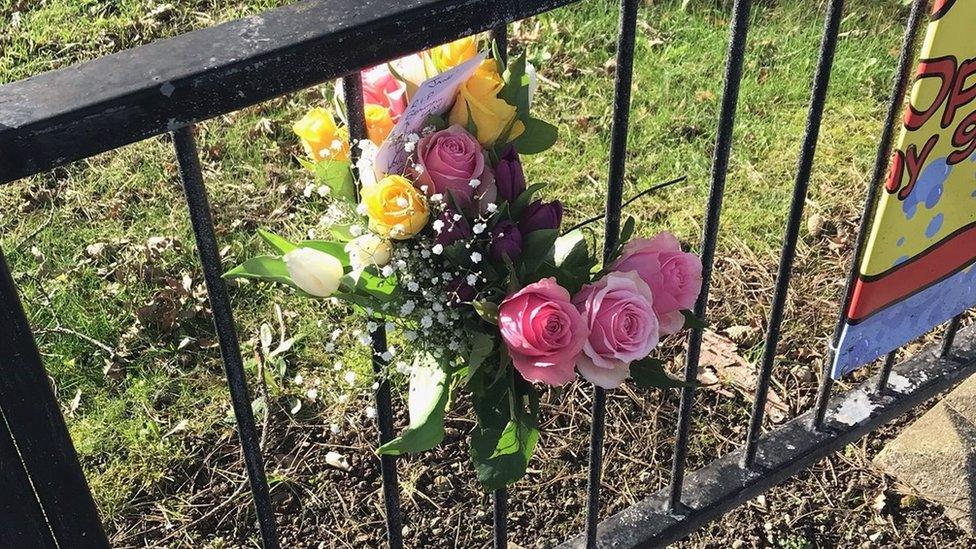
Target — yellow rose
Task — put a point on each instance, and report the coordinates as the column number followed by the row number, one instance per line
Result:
column 322, row 139
column 448, row 56
column 478, row 99
column 379, row 124
column 395, row 208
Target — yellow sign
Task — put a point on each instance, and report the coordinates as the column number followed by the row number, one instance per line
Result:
column 917, row 269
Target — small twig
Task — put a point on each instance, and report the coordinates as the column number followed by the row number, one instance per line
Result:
column 37, row 230
column 68, row 331
column 641, row 194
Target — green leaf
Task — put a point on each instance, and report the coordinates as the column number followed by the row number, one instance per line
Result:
column 265, row 267
column 368, row 283
column 280, row 245
column 337, row 175
column 481, row 348
column 538, row 136
column 471, row 126
column 437, row 122
column 487, row 310
column 628, row 231
column 692, row 321
column 537, row 248
column 523, row 199
column 514, row 77
column 506, row 435
column 430, row 389
column 650, row 373
column 342, row 233
column 516, row 437
column 516, row 90
column 364, row 303
column 571, row 262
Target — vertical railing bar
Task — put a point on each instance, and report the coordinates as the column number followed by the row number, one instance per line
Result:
column 353, row 93
column 499, row 516
column 499, row 498
column 50, row 493
column 889, row 363
column 899, row 86
column 627, row 32
column 499, row 35
column 808, row 151
column 735, row 58
column 203, row 230
column 950, row 336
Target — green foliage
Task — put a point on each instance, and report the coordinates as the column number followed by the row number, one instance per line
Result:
column 650, row 374
column 537, row 248
column 430, row 389
column 523, row 199
column 263, row 267
column 692, row 321
column 571, row 262
column 336, row 175
column 487, row 310
column 507, row 431
column 539, row 136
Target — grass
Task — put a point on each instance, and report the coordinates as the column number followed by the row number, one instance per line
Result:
column 104, row 255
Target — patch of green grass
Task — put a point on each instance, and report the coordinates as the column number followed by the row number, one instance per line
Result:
column 163, row 402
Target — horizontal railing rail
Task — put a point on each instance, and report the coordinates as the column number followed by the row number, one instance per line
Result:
column 73, row 113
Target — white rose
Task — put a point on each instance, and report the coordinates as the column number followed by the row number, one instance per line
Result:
column 368, row 249
column 315, row 272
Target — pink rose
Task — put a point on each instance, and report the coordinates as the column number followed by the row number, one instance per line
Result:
column 543, row 331
column 619, row 312
column 675, row 277
column 380, row 87
column 451, row 160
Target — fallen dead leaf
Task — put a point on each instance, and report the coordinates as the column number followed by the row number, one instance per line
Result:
column 724, row 365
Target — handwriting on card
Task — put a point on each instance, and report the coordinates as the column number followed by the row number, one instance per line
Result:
column 433, row 97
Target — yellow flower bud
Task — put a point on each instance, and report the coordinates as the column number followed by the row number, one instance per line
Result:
column 320, row 136
column 448, row 56
column 395, row 208
column 313, row 271
column 379, row 123
column 478, row 100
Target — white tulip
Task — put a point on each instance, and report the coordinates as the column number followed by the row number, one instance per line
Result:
column 315, row 272
column 368, row 249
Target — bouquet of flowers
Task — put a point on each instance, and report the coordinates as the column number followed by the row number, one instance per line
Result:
column 452, row 250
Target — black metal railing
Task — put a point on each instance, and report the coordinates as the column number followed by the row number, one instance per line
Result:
column 167, row 86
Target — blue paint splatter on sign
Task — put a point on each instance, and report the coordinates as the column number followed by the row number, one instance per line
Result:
column 928, row 188
column 934, row 226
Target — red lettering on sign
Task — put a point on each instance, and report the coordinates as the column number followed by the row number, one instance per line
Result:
column 964, row 136
column 943, row 68
column 911, row 161
column 940, row 8
column 961, row 95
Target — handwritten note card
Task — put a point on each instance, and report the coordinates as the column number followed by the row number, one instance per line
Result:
column 435, row 96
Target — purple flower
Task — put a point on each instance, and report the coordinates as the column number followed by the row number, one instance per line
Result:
column 450, row 226
column 459, row 292
column 509, row 176
column 541, row 215
column 506, row 241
